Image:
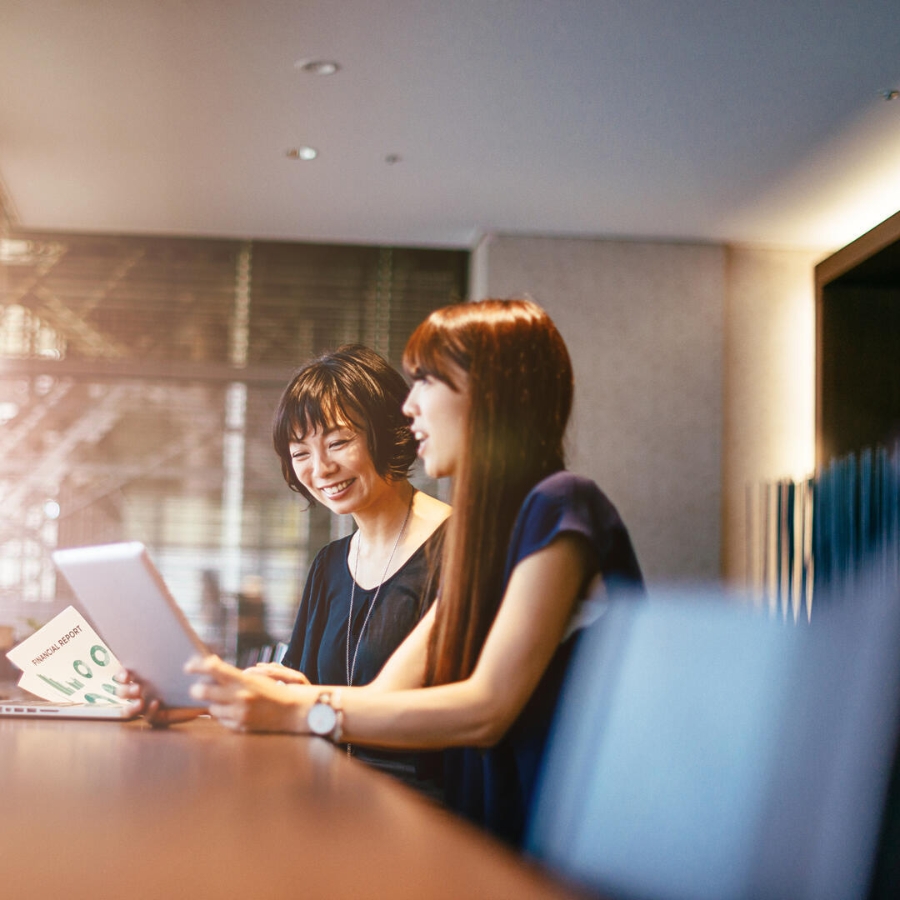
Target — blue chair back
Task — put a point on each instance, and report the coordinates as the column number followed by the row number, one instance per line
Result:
column 707, row 751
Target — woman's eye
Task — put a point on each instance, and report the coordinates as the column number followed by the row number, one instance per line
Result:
column 299, row 455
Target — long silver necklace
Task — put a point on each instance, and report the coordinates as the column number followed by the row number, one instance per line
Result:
column 351, row 666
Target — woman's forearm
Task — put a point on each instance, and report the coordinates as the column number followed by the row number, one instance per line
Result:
column 459, row 714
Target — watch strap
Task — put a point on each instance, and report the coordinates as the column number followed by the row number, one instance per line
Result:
column 338, row 716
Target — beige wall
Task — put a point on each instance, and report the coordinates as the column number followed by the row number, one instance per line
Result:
column 769, row 422
column 693, row 367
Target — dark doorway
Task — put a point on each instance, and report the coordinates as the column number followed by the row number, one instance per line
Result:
column 858, row 352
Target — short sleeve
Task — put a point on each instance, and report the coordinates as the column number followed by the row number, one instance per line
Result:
column 565, row 503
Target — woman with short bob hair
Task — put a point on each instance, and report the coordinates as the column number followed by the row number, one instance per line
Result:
column 352, row 384
column 526, row 545
column 344, row 441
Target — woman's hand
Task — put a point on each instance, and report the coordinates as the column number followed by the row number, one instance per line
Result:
column 249, row 702
column 278, row 672
column 131, row 688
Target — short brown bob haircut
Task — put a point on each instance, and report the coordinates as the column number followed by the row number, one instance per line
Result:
column 354, row 386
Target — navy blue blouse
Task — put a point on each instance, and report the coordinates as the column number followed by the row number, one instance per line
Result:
column 494, row 787
column 318, row 645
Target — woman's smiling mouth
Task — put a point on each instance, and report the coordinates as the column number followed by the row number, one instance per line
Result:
column 332, row 490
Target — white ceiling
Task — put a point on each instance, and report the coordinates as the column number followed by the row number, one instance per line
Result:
column 755, row 121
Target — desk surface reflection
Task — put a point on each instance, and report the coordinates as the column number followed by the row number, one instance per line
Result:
column 103, row 809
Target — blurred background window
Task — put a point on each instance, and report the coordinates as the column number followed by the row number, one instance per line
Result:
column 138, row 377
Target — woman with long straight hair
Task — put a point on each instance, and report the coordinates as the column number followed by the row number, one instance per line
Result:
column 526, row 546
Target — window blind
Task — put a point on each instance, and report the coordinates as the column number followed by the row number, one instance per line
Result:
column 138, row 377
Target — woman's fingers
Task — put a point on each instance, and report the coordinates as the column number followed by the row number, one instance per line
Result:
column 127, row 685
column 277, row 672
column 130, row 687
column 246, row 701
column 229, row 716
column 211, row 665
column 130, row 691
column 216, row 692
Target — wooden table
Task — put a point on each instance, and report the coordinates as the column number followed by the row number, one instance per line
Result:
column 119, row 810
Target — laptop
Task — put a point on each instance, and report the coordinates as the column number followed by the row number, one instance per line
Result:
column 126, row 599
column 46, row 709
column 67, row 672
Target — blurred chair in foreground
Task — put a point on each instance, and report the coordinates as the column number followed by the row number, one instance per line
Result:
column 707, row 751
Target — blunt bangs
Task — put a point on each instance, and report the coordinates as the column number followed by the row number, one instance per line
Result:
column 322, row 411
column 311, row 404
column 435, row 349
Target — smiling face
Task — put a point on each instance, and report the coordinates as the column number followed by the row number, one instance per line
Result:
column 439, row 414
column 336, row 468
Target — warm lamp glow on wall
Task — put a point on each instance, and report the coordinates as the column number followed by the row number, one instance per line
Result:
column 796, row 440
column 840, row 191
column 866, row 197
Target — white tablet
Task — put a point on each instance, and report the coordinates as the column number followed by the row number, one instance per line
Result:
column 123, row 594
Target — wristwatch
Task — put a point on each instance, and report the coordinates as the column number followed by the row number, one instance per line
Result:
column 325, row 717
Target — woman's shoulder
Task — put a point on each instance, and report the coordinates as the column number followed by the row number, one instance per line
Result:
column 427, row 555
column 435, row 540
column 563, row 480
column 564, row 502
column 430, row 509
column 431, row 515
column 568, row 503
column 328, row 574
column 333, row 553
column 565, row 487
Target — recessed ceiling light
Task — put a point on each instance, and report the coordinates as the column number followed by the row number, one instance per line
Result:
column 317, row 66
column 304, row 153
column 8, row 411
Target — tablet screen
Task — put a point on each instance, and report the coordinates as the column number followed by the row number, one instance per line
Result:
column 123, row 594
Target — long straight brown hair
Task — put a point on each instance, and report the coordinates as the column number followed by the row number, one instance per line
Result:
column 520, row 384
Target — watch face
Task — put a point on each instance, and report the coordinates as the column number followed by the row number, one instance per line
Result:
column 321, row 719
